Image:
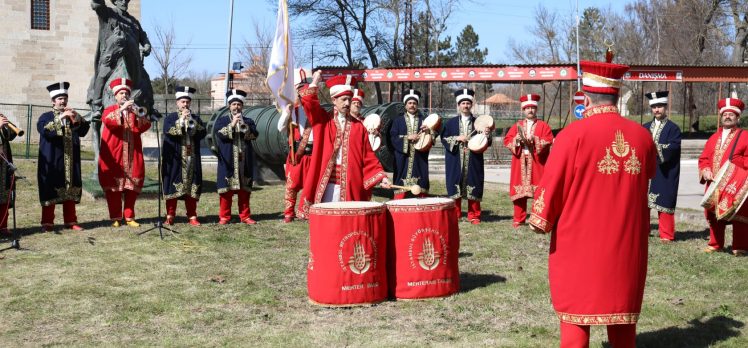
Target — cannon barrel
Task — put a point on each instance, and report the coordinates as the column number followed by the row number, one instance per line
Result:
column 271, row 146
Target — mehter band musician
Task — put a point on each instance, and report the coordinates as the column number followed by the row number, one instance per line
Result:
column 529, row 141
column 181, row 170
column 294, row 122
column 464, row 168
column 236, row 161
column 121, row 166
column 8, row 132
column 411, row 161
column 593, row 199
column 663, row 190
column 343, row 166
column 59, row 164
column 728, row 144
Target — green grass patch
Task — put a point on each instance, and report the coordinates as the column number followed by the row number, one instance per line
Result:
column 239, row 285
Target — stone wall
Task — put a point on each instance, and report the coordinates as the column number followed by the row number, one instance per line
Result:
column 32, row 59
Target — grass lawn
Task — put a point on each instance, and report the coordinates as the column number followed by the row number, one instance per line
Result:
column 238, row 285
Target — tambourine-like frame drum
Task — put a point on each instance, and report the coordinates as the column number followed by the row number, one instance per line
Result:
column 483, row 121
column 347, row 253
column 478, row 143
column 424, row 142
column 423, row 247
column 433, row 122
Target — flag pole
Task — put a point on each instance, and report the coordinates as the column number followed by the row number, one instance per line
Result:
column 228, row 53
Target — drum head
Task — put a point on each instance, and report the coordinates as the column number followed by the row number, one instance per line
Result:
column 375, row 141
column 424, row 142
column 481, row 122
column 372, row 122
column 347, row 205
column 478, row 143
column 708, row 201
column 419, row 201
column 433, row 122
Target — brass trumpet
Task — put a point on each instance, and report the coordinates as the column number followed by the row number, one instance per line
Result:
column 13, row 128
column 140, row 111
column 186, row 120
column 241, row 127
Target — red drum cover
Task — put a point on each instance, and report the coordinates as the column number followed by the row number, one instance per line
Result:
column 347, row 253
column 423, row 243
column 732, row 189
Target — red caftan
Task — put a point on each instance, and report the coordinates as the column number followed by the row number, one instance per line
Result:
column 715, row 154
column 593, row 198
column 121, row 153
column 360, row 169
column 527, row 163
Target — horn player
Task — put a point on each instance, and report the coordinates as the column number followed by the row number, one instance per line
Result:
column 59, row 168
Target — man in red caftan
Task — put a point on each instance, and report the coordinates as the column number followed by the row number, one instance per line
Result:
column 593, row 199
column 293, row 121
column 716, row 152
column 357, row 103
column 529, row 141
column 343, row 166
column 121, row 168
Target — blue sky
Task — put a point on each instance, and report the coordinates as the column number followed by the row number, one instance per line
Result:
column 204, row 24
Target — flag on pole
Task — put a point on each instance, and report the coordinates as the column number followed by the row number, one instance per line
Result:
column 280, row 68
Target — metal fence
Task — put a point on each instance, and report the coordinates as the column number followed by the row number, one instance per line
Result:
column 26, row 117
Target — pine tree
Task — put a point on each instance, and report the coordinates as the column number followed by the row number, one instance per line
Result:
column 467, row 51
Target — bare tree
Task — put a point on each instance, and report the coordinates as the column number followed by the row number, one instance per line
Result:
column 258, row 50
column 740, row 23
column 173, row 58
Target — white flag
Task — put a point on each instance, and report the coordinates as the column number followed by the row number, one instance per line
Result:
column 280, row 69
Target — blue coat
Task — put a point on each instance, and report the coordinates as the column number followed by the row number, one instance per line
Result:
column 59, row 165
column 181, row 171
column 663, row 189
column 411, row 165
column 236, row 163
column 463, row 167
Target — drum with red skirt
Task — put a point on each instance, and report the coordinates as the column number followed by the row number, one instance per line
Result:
column 423, row 246
column 727, row 194
column 347, row 253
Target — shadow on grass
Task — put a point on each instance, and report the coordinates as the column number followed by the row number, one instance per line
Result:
column 688, row 235
column 698, row 334
column 472, row 281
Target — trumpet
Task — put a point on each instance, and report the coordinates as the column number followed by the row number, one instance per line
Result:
column 241, row 127
column 140, row 111
column 13, row 128
column 186, row 120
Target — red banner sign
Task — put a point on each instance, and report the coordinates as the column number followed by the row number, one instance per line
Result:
column 654, row 75
column 499, row 74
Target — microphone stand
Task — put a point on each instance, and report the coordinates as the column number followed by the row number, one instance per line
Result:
column 159, row 224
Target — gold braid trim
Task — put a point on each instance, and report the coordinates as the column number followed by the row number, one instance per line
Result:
column 598, row 319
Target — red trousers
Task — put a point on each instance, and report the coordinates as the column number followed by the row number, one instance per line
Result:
column 68, row 214
column 578, row 336
column 402, row 195
column 520, row 211
column 226, row 200
column 4, row 216
column 190, row 204
column 473, row 209
column 294, row 184
column 667, row 225
column 717, row 233
column 114, row 201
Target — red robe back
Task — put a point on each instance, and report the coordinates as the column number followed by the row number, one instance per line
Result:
column 593, row 197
